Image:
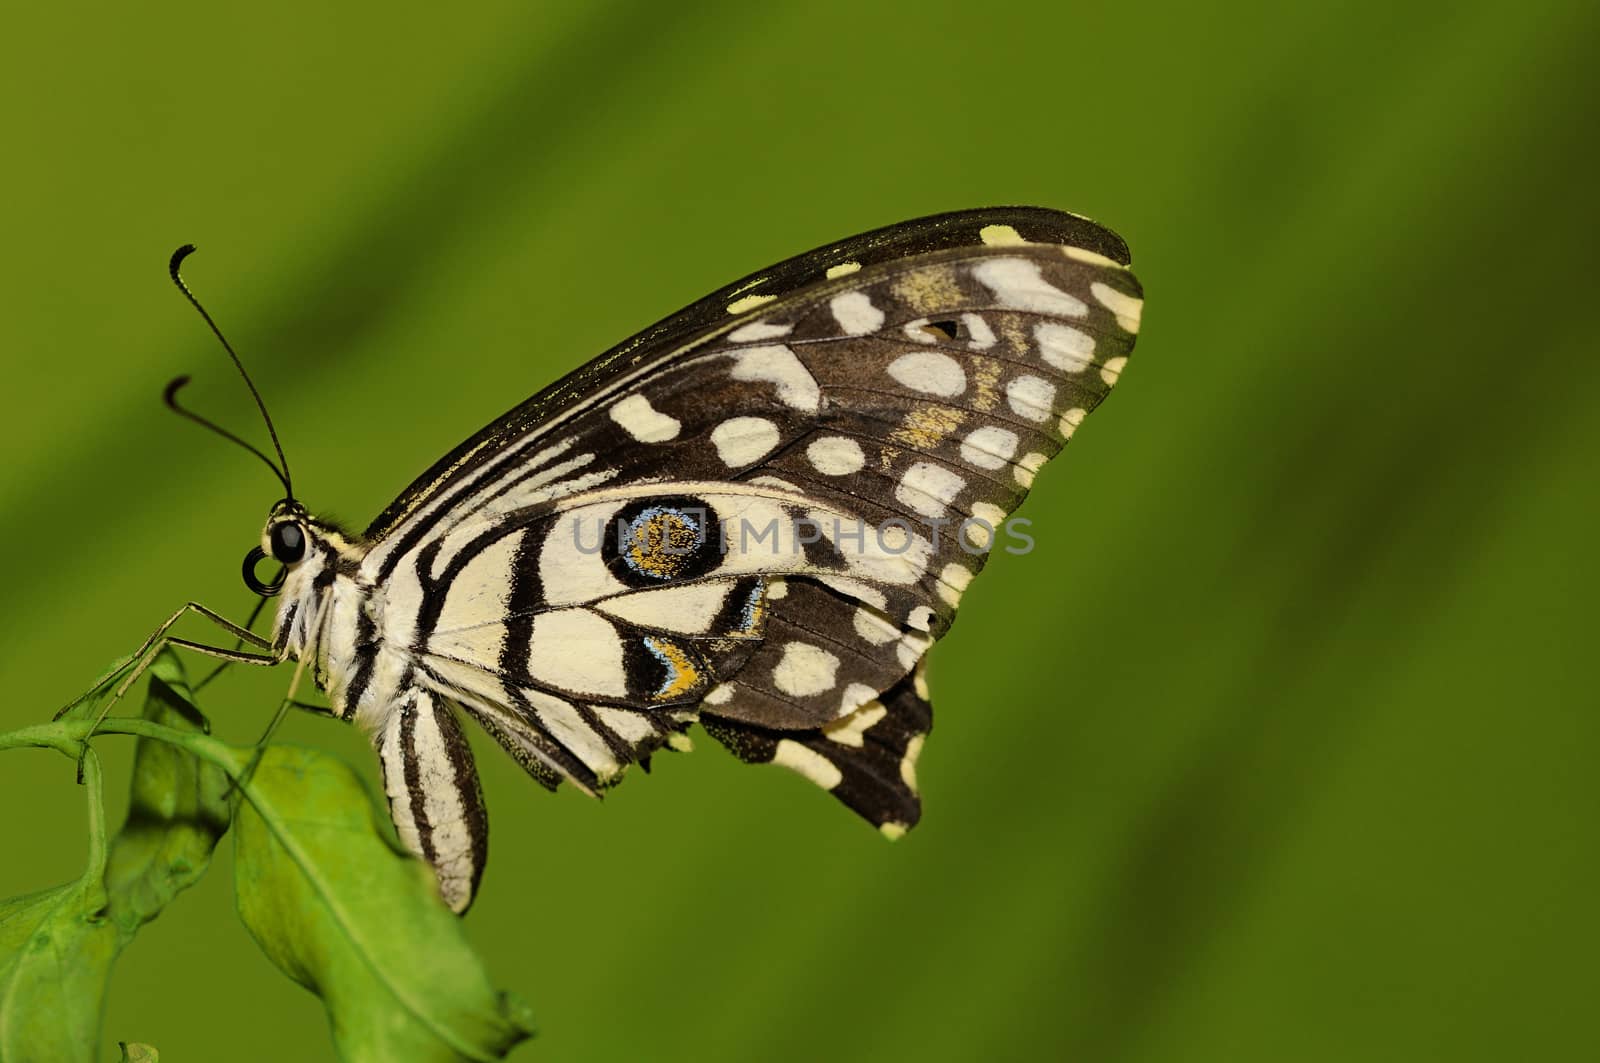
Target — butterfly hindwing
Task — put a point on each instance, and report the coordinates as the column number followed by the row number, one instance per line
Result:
column 435, row 799
column 866, row 758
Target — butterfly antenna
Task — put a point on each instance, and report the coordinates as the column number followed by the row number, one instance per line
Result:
column 281, row 467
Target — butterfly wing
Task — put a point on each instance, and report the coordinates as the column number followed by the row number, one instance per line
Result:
column 720, row 313
column 800, row 475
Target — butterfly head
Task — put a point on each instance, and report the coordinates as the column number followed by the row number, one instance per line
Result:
column 289, row 538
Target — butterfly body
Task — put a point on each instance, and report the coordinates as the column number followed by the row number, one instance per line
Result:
column 758, row 515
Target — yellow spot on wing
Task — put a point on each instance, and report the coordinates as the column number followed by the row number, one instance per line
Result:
column 925, row 427
column 851, row 728
column 662, row 545
column 985, row 377
column 929, row 289
column 843, row 269
column 1000, row 236
column 684, row 673
column 908, row 763
column 748, row 303
column 1127, row 308
column 1094, row 258
column 1018, row 340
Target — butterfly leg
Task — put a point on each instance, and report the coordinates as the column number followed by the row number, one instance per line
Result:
column 142, row 655
column 136, row 663
column 238, row 644
column 289, row 702
column 139, row 659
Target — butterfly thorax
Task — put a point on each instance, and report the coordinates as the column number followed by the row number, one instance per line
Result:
column 327, row 619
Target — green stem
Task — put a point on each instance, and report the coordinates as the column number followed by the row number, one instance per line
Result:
column 94, row 877
column 68, row 737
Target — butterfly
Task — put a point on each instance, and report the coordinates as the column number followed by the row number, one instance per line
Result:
column 757, row 514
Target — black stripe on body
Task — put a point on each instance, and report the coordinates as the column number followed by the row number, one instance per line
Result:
column 366, row 651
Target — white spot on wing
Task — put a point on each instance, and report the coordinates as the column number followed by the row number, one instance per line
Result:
column 808, row 762
column 874, row 628
column 643, row 421
column 1071, row 420
column 1068, row 349
column 836, row 455
column 927, row 488
column 929, row 372
column 982, row 335
column 804, row 670
column 953, row 582
column 912, row 646
column 740, row 441
column 1017, row 282
column 843, row 269
column 989, row 447
column 855, row 313
column 855, row 696
column 1031, row 397
column 1112, row 369
column 776, row 364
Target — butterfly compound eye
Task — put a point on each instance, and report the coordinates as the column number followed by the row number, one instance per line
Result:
column 288, row 542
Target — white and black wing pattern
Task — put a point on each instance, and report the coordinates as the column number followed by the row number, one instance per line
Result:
column 762, row 511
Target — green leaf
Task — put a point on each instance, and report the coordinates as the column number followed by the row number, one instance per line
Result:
column 56, row 951
column 357, row 922
column 177, row 812
column 57, row 946
column 133, row 1052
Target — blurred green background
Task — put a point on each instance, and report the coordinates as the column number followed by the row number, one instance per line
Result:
column 1279, row 747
